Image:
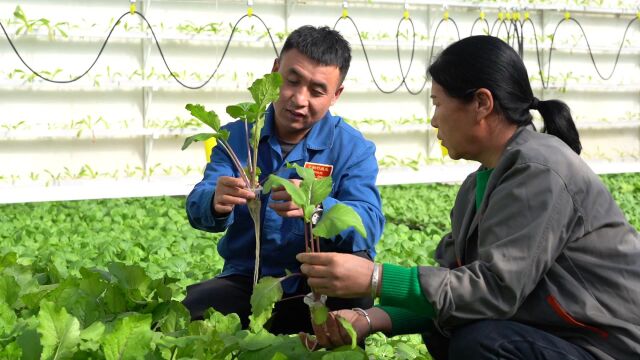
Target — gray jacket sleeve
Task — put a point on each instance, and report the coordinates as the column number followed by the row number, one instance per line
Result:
column 519, row 235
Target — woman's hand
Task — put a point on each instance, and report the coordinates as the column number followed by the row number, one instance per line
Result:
column 337, row 274
column 332, row 334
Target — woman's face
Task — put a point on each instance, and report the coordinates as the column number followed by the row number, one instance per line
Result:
column 456, row 123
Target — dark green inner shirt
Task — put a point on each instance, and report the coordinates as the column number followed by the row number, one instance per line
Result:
column 482, row 178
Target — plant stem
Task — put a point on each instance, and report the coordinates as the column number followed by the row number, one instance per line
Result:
column 225, row 145
column 256, row 142
column 308, row 244
column 252, row 170
column 254, row 210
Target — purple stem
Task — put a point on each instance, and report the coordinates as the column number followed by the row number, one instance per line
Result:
column 225, row 145
column 249, row 158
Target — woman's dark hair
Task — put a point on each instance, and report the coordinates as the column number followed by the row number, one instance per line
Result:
column 487, row 62
column 320, row 44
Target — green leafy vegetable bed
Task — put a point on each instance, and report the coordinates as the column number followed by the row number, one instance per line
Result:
column 68, row 288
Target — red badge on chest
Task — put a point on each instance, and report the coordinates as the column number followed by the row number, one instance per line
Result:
column 320, row 170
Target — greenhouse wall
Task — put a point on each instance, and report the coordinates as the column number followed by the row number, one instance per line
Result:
column 117, row 130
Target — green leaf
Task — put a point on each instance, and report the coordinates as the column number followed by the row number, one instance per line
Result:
column 11, row 351
column 208, row 117
column 224, row 324
column 345, row 353
column 8, row 259
column 30, row 343
column 19, row 14
column 130, row 276
column 8, row 319
column 195, row 138
column 320, row 189
column 129, row 339
column 9, row 290
column 405, row 351
column 279, row 356
column 240, row 111
column 297, row 195
column 265, row 294
column 266, row 89
column 337, row 219
column 115, row 299
column 171, row 316
column 280, row 348
column 350, row 330
column 91, row 337
column 305, row 174
column 258, row 340
column 60, row 332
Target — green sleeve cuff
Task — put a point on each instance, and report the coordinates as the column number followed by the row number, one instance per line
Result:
column 401, row 288
column 404, row 321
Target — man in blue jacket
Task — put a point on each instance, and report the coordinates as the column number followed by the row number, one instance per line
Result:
column 298, row 129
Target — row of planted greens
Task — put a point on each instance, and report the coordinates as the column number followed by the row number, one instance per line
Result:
column 104, row 279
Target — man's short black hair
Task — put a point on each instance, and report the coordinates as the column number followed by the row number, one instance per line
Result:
column 320, row 44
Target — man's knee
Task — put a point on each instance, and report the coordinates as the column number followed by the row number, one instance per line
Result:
column 225, row 295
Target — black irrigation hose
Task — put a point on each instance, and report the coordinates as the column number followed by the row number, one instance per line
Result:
column 593, row 61
column 104, row 44
column 224, row 53
column 511, row 28
column 404, row 75
column 433, row 43
column 366, row 56
column 485, row 22
column 545, row 84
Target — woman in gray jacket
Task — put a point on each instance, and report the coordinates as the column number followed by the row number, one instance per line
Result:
column 540, row 262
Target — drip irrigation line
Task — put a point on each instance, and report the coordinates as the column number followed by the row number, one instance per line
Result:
column 224, row 53
column 104, row 44
column 514, row 32
column 545, row 83
column 593, row 61
column 433, row 43
column 476, row 21
column 366, row 56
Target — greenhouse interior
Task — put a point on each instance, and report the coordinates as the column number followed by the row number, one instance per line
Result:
column 164, row 163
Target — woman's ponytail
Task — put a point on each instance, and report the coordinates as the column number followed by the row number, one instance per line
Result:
column 558, row 122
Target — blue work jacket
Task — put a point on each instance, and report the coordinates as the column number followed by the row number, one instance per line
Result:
column 331, row 141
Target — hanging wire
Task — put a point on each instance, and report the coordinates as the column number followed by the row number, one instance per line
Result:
column 366, row 56
column 513, row 26
column 104, row 44
column 545, row 83
column 476, row 21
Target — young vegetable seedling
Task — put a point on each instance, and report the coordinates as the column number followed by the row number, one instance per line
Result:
column 263, row 91
column 308, row 196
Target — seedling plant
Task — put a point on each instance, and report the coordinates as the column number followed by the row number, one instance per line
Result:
column 308, row 196
column 263, row 91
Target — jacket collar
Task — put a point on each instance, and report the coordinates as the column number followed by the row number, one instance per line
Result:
column 320, row 136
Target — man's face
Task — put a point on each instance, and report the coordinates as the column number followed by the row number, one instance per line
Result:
column 307, row 92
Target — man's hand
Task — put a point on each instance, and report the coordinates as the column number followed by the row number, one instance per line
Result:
column 230, row 192
column 286, row 208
